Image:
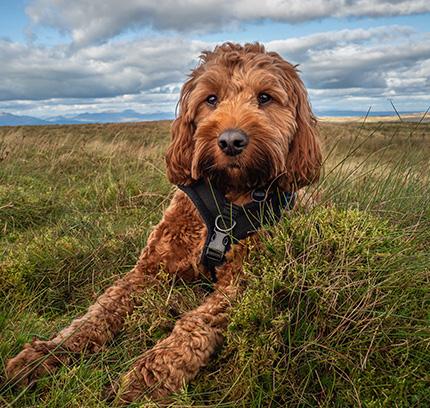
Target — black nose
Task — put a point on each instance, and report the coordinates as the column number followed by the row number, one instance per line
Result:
column 233, row 141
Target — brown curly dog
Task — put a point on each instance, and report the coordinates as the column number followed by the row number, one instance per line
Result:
column 244, row 123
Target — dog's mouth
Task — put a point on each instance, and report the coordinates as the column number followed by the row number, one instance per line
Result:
column 236, row 177
column 254, row 167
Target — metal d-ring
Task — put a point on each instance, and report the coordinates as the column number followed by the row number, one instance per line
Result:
column 258, row 196
column 225, row 230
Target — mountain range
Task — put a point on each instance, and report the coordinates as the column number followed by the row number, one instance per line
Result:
column 128, row 115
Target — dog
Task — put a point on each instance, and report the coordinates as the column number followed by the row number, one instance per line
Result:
column 244, row 124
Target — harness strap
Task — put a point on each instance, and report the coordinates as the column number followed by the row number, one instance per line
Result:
column 229, row 223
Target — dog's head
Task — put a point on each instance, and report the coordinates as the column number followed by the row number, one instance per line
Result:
column 244, row 121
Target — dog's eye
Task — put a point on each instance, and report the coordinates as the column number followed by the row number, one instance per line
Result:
column 264, row 98
column 212, row 100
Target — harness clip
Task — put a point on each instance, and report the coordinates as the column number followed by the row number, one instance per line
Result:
column 217, row 246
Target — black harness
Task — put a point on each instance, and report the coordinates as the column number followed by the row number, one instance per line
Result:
column 229, row 223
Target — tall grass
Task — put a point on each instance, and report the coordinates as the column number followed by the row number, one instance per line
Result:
column 336, row 307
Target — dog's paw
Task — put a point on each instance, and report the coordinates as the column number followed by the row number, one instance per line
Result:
column 147, row 380
column 37, row 359
column 127, row 389
column 119, row 394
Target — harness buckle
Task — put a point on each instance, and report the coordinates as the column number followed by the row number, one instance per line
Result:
column 220, row 240
column 217, row 246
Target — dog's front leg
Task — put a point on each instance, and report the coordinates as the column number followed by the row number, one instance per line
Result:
column 106, row 317
column 177, row 359
column 87, row 333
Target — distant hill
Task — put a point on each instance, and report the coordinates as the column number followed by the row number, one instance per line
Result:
column 128, row 115
column 353, row 113
column 7, row 119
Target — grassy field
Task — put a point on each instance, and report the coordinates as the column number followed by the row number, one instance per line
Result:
column 337, row 308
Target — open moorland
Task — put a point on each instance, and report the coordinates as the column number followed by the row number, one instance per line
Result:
column 336, row 310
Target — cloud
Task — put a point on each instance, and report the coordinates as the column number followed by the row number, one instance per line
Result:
column 357, row 65
column 108, row 70
column 96, row 21
column 145, row 102
column 341, row 68
column 299, row 47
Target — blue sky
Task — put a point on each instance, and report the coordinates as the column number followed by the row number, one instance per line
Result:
column 61, row 58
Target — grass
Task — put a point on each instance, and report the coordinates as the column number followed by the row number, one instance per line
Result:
column 336, row 311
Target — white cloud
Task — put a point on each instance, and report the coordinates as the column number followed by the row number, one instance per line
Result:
column 343, row 69
column 98, row 20
column 297, row 48
column 108, row 70
column 145, row 103
column 355, row 67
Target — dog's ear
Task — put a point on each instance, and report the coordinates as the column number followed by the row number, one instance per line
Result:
column 180, row 151
column 303, row 164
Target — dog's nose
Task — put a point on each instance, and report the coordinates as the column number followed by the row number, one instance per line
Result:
column 233, row 141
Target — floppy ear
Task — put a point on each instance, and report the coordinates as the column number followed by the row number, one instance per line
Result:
column 303, row 164
column 180, row 151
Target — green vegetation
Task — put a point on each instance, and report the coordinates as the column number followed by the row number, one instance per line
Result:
column 336, row 312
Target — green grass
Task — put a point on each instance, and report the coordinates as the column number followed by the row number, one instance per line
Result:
column 336, row 310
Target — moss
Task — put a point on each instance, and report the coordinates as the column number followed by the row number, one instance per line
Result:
column 311, row 328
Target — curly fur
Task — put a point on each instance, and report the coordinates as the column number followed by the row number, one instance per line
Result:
column 283, row 150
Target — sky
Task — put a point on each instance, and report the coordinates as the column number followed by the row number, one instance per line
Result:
column 62, row 57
